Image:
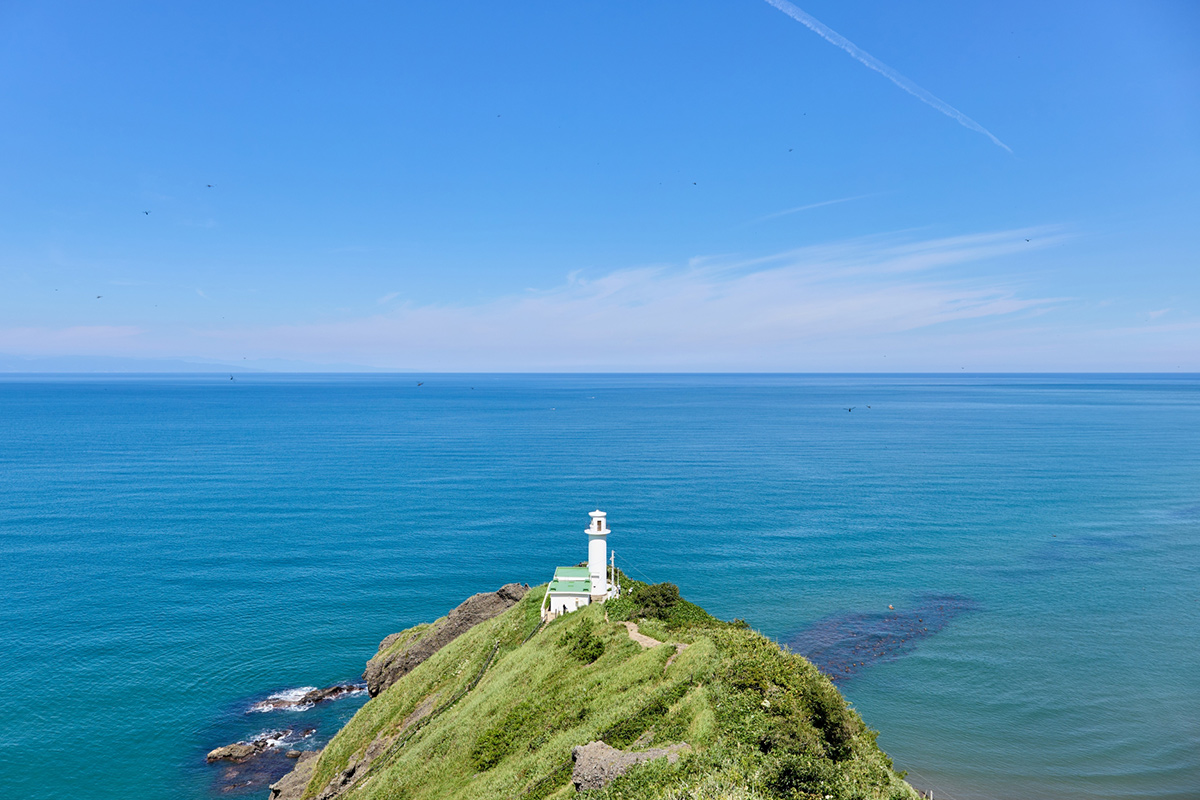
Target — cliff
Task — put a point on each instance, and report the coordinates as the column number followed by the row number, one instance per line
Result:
column 646, row 696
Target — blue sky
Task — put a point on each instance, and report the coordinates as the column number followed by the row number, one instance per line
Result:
column 603, row 186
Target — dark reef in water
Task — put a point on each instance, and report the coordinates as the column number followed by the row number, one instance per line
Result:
column 845, row 644
column 252, row 776
column 258, row 740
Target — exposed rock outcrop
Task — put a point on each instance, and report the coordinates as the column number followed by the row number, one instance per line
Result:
column 597, row 764
column 389, row 665
column 309, row 698
column 240, row 751
column 292, row 785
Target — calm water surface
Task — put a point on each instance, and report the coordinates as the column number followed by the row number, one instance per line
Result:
column 174, row 548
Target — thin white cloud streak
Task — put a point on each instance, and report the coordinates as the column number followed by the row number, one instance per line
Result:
column 811, row 206
column 882, row 303
column 805, row 309
column 387, row 298
column 868, row 60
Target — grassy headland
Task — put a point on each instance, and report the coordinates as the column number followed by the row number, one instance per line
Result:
column 496, row 713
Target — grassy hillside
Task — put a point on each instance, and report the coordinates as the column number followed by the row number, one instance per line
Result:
column 495, row 713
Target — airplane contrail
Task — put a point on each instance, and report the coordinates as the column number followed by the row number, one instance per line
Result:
column 865, row 58
column 787, row 211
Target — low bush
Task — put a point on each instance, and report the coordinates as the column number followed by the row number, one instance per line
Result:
column 582, row 644
column 791, row 775
column 656, row 600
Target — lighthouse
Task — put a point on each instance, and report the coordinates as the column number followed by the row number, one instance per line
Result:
column 575, row 587
column 597, row 534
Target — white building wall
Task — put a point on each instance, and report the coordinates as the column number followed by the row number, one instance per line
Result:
column 562, row 603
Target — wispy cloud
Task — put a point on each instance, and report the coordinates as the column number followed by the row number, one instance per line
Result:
column 811, row 308
column 868, row 60
column 387, row 298
column 811, row 206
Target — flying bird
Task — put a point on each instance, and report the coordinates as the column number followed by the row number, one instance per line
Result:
column 420, row 383
column 99, row 296
column 147, row 213
column 851, row 408
column 209, row 185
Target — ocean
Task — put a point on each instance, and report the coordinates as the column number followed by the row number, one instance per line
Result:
column 1001, row 572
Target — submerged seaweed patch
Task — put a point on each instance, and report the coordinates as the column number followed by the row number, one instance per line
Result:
column 845, row 644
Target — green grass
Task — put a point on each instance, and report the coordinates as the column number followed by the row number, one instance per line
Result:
column 762, row 723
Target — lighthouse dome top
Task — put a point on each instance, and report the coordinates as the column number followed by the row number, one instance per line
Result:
column 597, row 513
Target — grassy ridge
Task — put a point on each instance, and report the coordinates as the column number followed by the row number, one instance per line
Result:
column 762, row 723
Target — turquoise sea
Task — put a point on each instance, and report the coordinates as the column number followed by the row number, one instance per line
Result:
column 173, row 549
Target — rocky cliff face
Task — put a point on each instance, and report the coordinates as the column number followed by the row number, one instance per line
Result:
column 398, row 655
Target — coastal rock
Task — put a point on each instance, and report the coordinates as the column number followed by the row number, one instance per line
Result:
column 597, row 764
column 240, row 751
column 389, row 666
column 292, row 785
column 308, row 699
column 234, row 752
column 331, row 693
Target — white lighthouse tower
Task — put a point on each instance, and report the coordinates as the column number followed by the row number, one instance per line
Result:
column 597, row 534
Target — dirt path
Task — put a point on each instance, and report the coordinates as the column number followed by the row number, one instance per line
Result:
column 646, row 641
column 640, row 638
column 679, row 648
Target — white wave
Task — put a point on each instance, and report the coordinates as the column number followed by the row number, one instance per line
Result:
column 274, row 738
column 287, row 700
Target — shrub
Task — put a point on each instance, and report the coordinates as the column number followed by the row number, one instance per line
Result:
column 656, row 601
column 626, row 731
column 582, row 644
column 791, row 775
column 831, row 717
column 492, row 746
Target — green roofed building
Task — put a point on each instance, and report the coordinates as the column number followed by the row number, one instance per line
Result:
column 575, row 587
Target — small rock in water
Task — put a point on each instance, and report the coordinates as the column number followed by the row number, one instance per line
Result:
column 331, row 693
column 310, row 698
column 240, row 751
column 294, row 753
